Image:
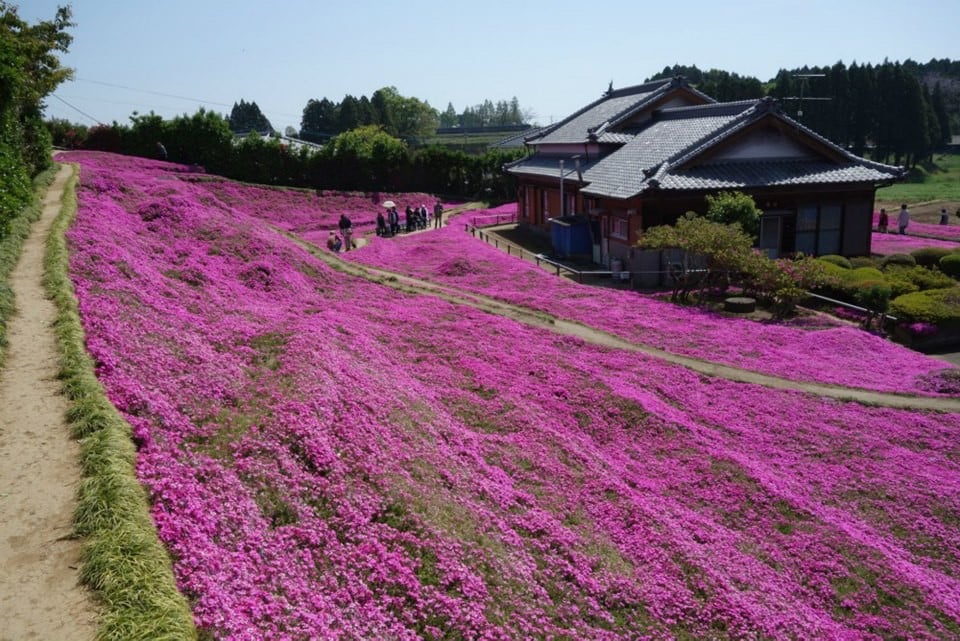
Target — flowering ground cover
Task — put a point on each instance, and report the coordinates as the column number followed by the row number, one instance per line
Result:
column 821, row 351
column 886, row 244
column 330, row 458
column 950, row 231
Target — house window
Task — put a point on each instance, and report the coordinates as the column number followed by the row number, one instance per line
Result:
column 807, row 229
column 818, row 229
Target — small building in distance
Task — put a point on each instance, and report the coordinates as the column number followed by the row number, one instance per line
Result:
column 645, row 155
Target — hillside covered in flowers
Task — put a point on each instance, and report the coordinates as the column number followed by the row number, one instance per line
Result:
column 330, row 457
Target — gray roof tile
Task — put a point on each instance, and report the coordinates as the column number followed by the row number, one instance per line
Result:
column 772, row 173
column 651, row 157
column 577, row 128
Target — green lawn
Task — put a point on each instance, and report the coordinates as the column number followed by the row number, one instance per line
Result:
column 935, row 182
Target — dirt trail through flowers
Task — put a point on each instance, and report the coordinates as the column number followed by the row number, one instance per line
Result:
column 598, row 337
column 40, row 593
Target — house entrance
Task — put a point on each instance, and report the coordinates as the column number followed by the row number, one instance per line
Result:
column 777, row 232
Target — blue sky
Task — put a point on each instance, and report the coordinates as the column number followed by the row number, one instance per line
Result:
column 175, row 56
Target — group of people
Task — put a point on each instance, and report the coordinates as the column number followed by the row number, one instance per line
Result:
column 903, row 219
column 414, row 218
column 387, row 225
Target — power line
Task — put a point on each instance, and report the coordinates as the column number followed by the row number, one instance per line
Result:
column 77, row 109
column 155, row 93
column 170, row 95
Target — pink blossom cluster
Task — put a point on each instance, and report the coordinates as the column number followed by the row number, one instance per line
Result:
column 329, row 458
column 825, row 352
column 893, row 243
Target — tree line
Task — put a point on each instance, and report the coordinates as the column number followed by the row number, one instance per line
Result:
column 365, row 158
column 893, row 112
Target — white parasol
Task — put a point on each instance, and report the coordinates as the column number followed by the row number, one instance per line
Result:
column 388, row 204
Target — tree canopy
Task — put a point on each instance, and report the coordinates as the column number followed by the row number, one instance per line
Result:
column 30, row 69
column 246, row 117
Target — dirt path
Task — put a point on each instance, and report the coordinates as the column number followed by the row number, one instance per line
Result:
column 40, row 593
column 599, row 337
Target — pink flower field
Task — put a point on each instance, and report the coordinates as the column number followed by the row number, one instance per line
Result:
column 823, row 351
column 330, row 458
column 949, row 231
column 886, row 244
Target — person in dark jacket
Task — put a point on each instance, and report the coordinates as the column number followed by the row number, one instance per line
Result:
column 346, row 230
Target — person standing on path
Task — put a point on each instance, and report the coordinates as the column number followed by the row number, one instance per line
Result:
column 944, row 216
column 903, row 219
column 346, row 230
column 438, row 215
column 883, row 221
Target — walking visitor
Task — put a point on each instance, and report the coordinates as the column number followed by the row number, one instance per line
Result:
column 883, row 221
column 903, row 219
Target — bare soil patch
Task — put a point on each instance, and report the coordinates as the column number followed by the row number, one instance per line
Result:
column 40, row 592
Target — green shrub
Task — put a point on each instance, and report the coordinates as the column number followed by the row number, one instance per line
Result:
column 898, row 259
column 922, row 277
column 839, row 261
column 863, row 274
column 940, row 307
column 900, row 283
column 950, row 265
column 863, row 261
column 930, row 256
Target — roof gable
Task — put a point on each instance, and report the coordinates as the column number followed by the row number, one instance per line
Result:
column 616, row 108
column 729, row 146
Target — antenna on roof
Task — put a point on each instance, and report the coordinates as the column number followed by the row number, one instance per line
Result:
column 609, row 89
column 804, row 83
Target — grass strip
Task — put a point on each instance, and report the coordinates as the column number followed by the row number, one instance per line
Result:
column 11, row 247
column 124, row 561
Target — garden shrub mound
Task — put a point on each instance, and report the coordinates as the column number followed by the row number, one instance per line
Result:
column 839, row 261
column 904, row 260
column 940, row 307
column 332, row 458
column 930, row 256
column 950, row 265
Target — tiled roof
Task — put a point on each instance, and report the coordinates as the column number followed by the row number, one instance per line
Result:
column 771, row 173
column 577, row 128
column 654, row 156
column 611, row 137
column 514, row 141
column 624, row 172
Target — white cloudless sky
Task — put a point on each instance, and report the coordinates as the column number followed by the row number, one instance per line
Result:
column 175, row 56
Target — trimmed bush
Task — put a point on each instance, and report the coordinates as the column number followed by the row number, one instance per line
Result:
column 922, row 277
column 898, row 259
column 863, row 261
column 930, row 256
column 950, row 265
column 839, row 261
column 940, row 307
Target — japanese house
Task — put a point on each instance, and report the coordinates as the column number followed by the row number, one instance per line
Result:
column 645, row 155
